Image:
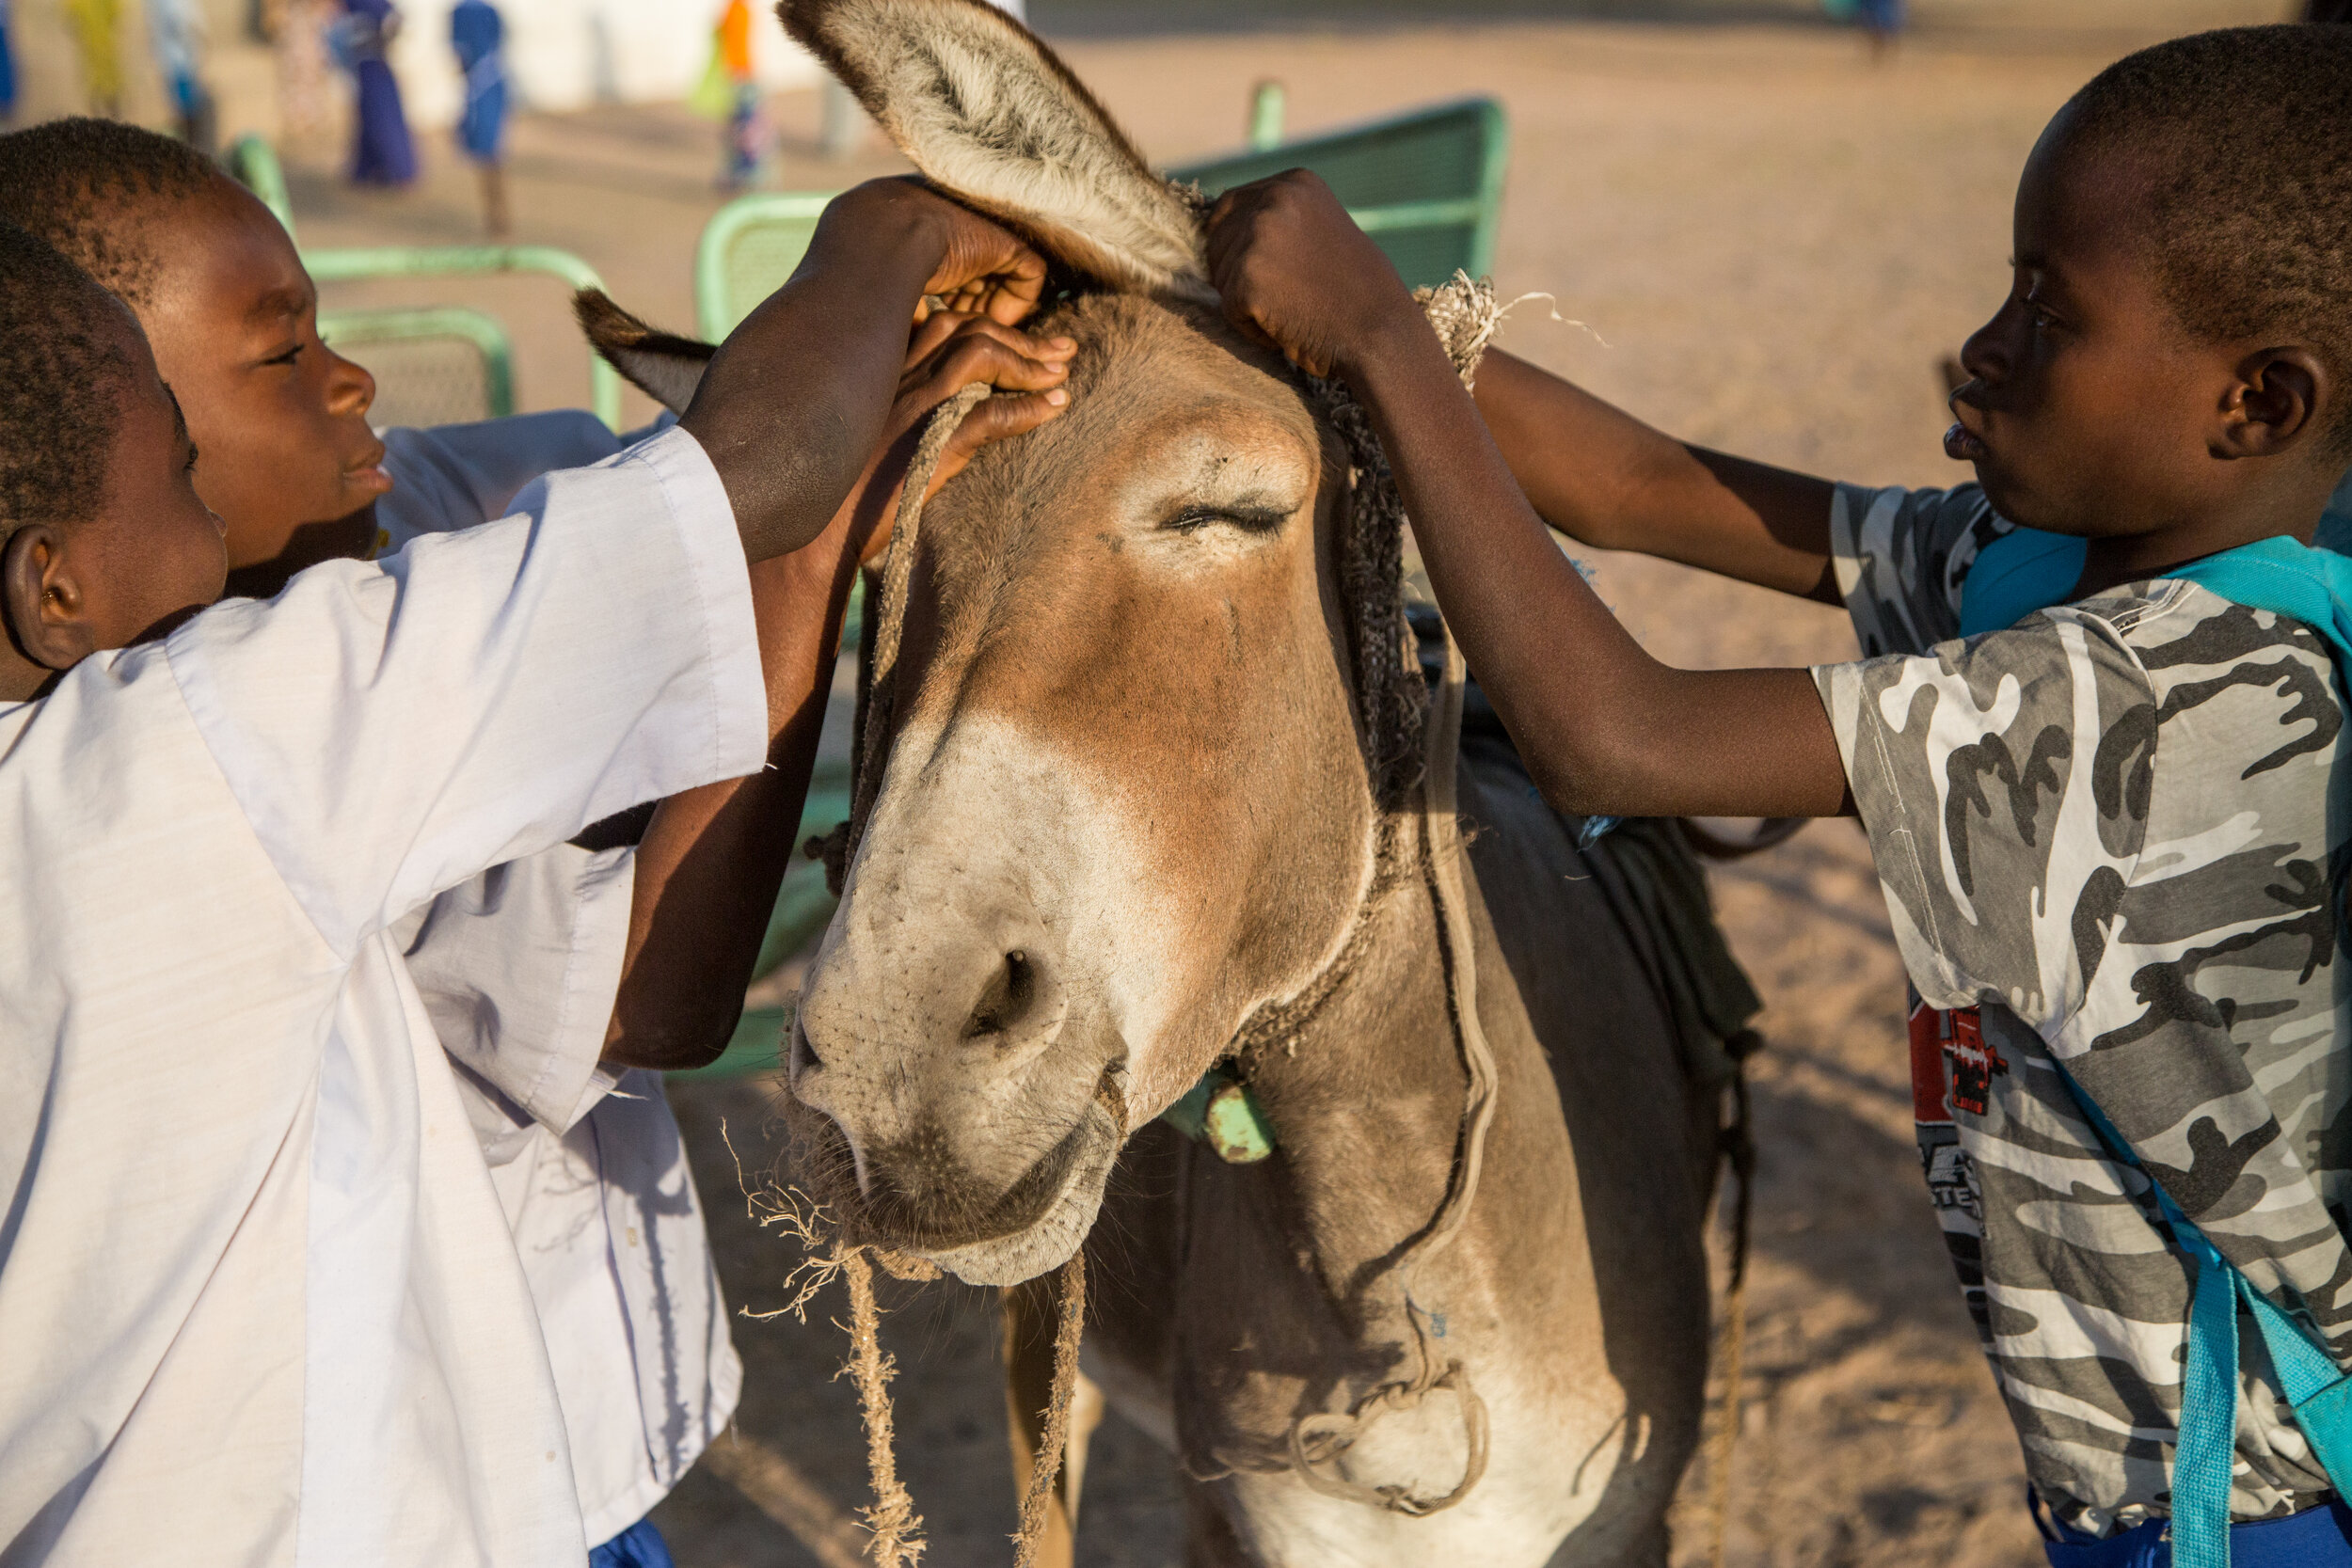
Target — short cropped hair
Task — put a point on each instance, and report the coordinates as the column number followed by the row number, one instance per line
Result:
column 2247, row 133
column 62, row 371
column 74, row 181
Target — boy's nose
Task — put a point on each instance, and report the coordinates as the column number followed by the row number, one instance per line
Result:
column 351, row 387
column 1986, row 356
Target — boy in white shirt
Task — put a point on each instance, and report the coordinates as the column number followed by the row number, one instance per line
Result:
column 518, row 968
column 262, row 1300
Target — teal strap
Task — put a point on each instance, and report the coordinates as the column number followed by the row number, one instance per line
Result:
column 2026, row 570
column 2208, row 1445
column 2207, row 1450
column 2021, row 571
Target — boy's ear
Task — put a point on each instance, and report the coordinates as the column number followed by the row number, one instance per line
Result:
column 2274, row 402
column 46, row 613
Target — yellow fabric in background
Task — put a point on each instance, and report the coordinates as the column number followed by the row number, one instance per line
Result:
column 97, row 26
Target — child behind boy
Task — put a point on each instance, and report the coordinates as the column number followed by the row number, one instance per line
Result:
column 2111, row 836
column 263, row 1302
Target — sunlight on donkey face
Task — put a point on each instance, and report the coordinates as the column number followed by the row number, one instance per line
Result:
column 1125, row 800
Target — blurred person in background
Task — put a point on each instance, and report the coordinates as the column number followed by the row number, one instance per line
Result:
column 381, row 150
column 1882, row 20
column 730, row 80
column 175, row 33
column 97, row 26
column 8, row 70
column 478, row 34
column 297, row 31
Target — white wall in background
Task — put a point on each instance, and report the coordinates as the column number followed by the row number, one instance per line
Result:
column 569, row 54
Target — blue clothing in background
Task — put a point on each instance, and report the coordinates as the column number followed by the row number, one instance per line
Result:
column 8, row 69
column 477, row 33
column 381, row 151
column 1881, row 16
column 638, row 1546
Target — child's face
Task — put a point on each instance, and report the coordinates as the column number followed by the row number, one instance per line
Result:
column 2092, row 409
column 156, row 553
column 281, row 419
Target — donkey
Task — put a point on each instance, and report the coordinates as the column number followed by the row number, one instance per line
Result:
column 1151, row 802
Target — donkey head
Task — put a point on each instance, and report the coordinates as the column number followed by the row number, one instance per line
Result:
column 1127, row 800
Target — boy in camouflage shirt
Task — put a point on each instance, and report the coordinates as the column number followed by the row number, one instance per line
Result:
column 2108, row 834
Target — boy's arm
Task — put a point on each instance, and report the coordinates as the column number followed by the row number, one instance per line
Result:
column 712, row 859
column 1604, row 727
column 1602, row 477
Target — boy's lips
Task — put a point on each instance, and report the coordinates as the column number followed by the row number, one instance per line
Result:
column 1962, row 443
column 369, row 475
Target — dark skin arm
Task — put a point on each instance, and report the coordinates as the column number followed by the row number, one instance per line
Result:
column 1604, row 727
column 1605, row 478
column 711, row 861
column 795, row 403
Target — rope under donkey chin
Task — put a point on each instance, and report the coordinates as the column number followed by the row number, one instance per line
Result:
column 892, row 1516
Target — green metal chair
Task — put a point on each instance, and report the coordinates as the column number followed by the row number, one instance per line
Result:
column 747, row 248
column 1426, row 186
column 419, row 356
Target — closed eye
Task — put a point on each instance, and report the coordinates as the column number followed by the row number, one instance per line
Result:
column 1250, row 519
column 288, row 358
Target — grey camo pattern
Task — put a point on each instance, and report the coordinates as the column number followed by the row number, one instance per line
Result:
column 2109, row 828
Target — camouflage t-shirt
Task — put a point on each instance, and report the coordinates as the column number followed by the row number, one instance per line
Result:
column 2104, row 836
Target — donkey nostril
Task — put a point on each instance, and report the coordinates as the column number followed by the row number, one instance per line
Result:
column 804, row 1056
column 1011, row 992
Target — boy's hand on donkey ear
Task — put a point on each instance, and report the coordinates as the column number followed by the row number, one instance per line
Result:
column 949, row 351
column 1294, row 271
column 983, row 269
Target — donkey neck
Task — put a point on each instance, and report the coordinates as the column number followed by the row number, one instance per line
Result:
column 1367, row 1091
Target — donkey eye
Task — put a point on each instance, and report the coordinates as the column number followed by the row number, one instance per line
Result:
column 1250, row 519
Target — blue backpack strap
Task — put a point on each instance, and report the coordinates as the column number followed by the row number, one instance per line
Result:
column 2026, row 569
column 2201, row 1462
column 2023, row 570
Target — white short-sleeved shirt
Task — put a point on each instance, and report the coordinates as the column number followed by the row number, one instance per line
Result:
column 518, row 969
column 260, row 1300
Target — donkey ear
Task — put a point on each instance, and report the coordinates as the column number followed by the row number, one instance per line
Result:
column 665, row 368
column 990, row 114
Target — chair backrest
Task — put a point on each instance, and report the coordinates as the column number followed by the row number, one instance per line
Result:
column 747, row 248
column 1428, row 186
column 444, row 365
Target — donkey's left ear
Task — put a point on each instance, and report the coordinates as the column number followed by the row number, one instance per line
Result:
column 664, row 367
column 989, row 114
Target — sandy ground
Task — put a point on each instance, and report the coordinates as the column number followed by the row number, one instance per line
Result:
column 1768, row 241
